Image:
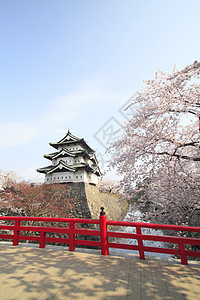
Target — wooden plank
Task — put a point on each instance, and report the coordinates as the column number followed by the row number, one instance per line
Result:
column 175, row 275
column 147, row 283
column 95, row 287
column 109, row 283
column 161, row 287
column 58, row 274
column 134, row 282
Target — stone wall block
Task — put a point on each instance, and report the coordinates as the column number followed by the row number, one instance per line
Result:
column 87, row 202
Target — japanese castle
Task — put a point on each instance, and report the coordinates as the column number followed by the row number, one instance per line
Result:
column 74, row 161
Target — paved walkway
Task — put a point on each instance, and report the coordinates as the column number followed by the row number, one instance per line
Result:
column 55, row 273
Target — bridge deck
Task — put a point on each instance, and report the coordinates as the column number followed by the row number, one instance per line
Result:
column 27, row 272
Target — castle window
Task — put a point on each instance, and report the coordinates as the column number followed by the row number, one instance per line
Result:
column 69, row 176
column 77, row 177
column 58, row 177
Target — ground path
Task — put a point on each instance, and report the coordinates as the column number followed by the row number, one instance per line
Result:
column 27, row 272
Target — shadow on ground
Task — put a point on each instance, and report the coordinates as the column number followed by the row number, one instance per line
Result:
column 55, row 273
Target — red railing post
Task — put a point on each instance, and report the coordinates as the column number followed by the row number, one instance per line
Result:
column 103, row 233
column 182, row 253
column 16, row 233
column 140, row 243
column 71, row 236
column 42, row 239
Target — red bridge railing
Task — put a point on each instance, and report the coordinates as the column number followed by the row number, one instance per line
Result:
column 102, row 233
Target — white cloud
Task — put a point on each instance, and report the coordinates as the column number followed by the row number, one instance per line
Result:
column 70, row 107
column 17, row 133
column 60, row 113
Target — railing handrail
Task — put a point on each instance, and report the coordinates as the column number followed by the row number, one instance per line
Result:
column 109, row 222
column 154, row 226
column 104, row 244
column 50, row 219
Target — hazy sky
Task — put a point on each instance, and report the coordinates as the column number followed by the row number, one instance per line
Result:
column 75, row 63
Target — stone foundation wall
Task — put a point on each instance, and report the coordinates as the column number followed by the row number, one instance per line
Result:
column 87, row 202
column 77, row 199
column 116, row 206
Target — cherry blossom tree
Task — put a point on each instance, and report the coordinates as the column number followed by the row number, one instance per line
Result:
column 162, row 143
column 36, row 200
column 29, row 199
column 6, row 177
column 109, row 186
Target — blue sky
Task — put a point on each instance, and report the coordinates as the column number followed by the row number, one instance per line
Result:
column 74, row 64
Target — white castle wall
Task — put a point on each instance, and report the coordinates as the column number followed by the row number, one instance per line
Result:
column 80, row 176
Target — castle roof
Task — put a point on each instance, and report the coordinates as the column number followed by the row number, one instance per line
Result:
column 65, row 152
column 63, row 167
column 70, row 139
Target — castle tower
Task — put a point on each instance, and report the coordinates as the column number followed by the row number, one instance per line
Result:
column 73, row 162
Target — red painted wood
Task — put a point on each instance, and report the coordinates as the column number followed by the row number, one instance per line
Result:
column 88, row 243
column 29, row 238
column 182, row 253
column 16, row 233
column 103, row 233
column 161, row 250
column 8, row 227
column 192, row 253
column 87, row 232
column 71, row 236
column 42, row 239
column 46, row 219
column 123, row 246
column 154, row 226
column 6, row 236
column 140, row 242
column 160, row 238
